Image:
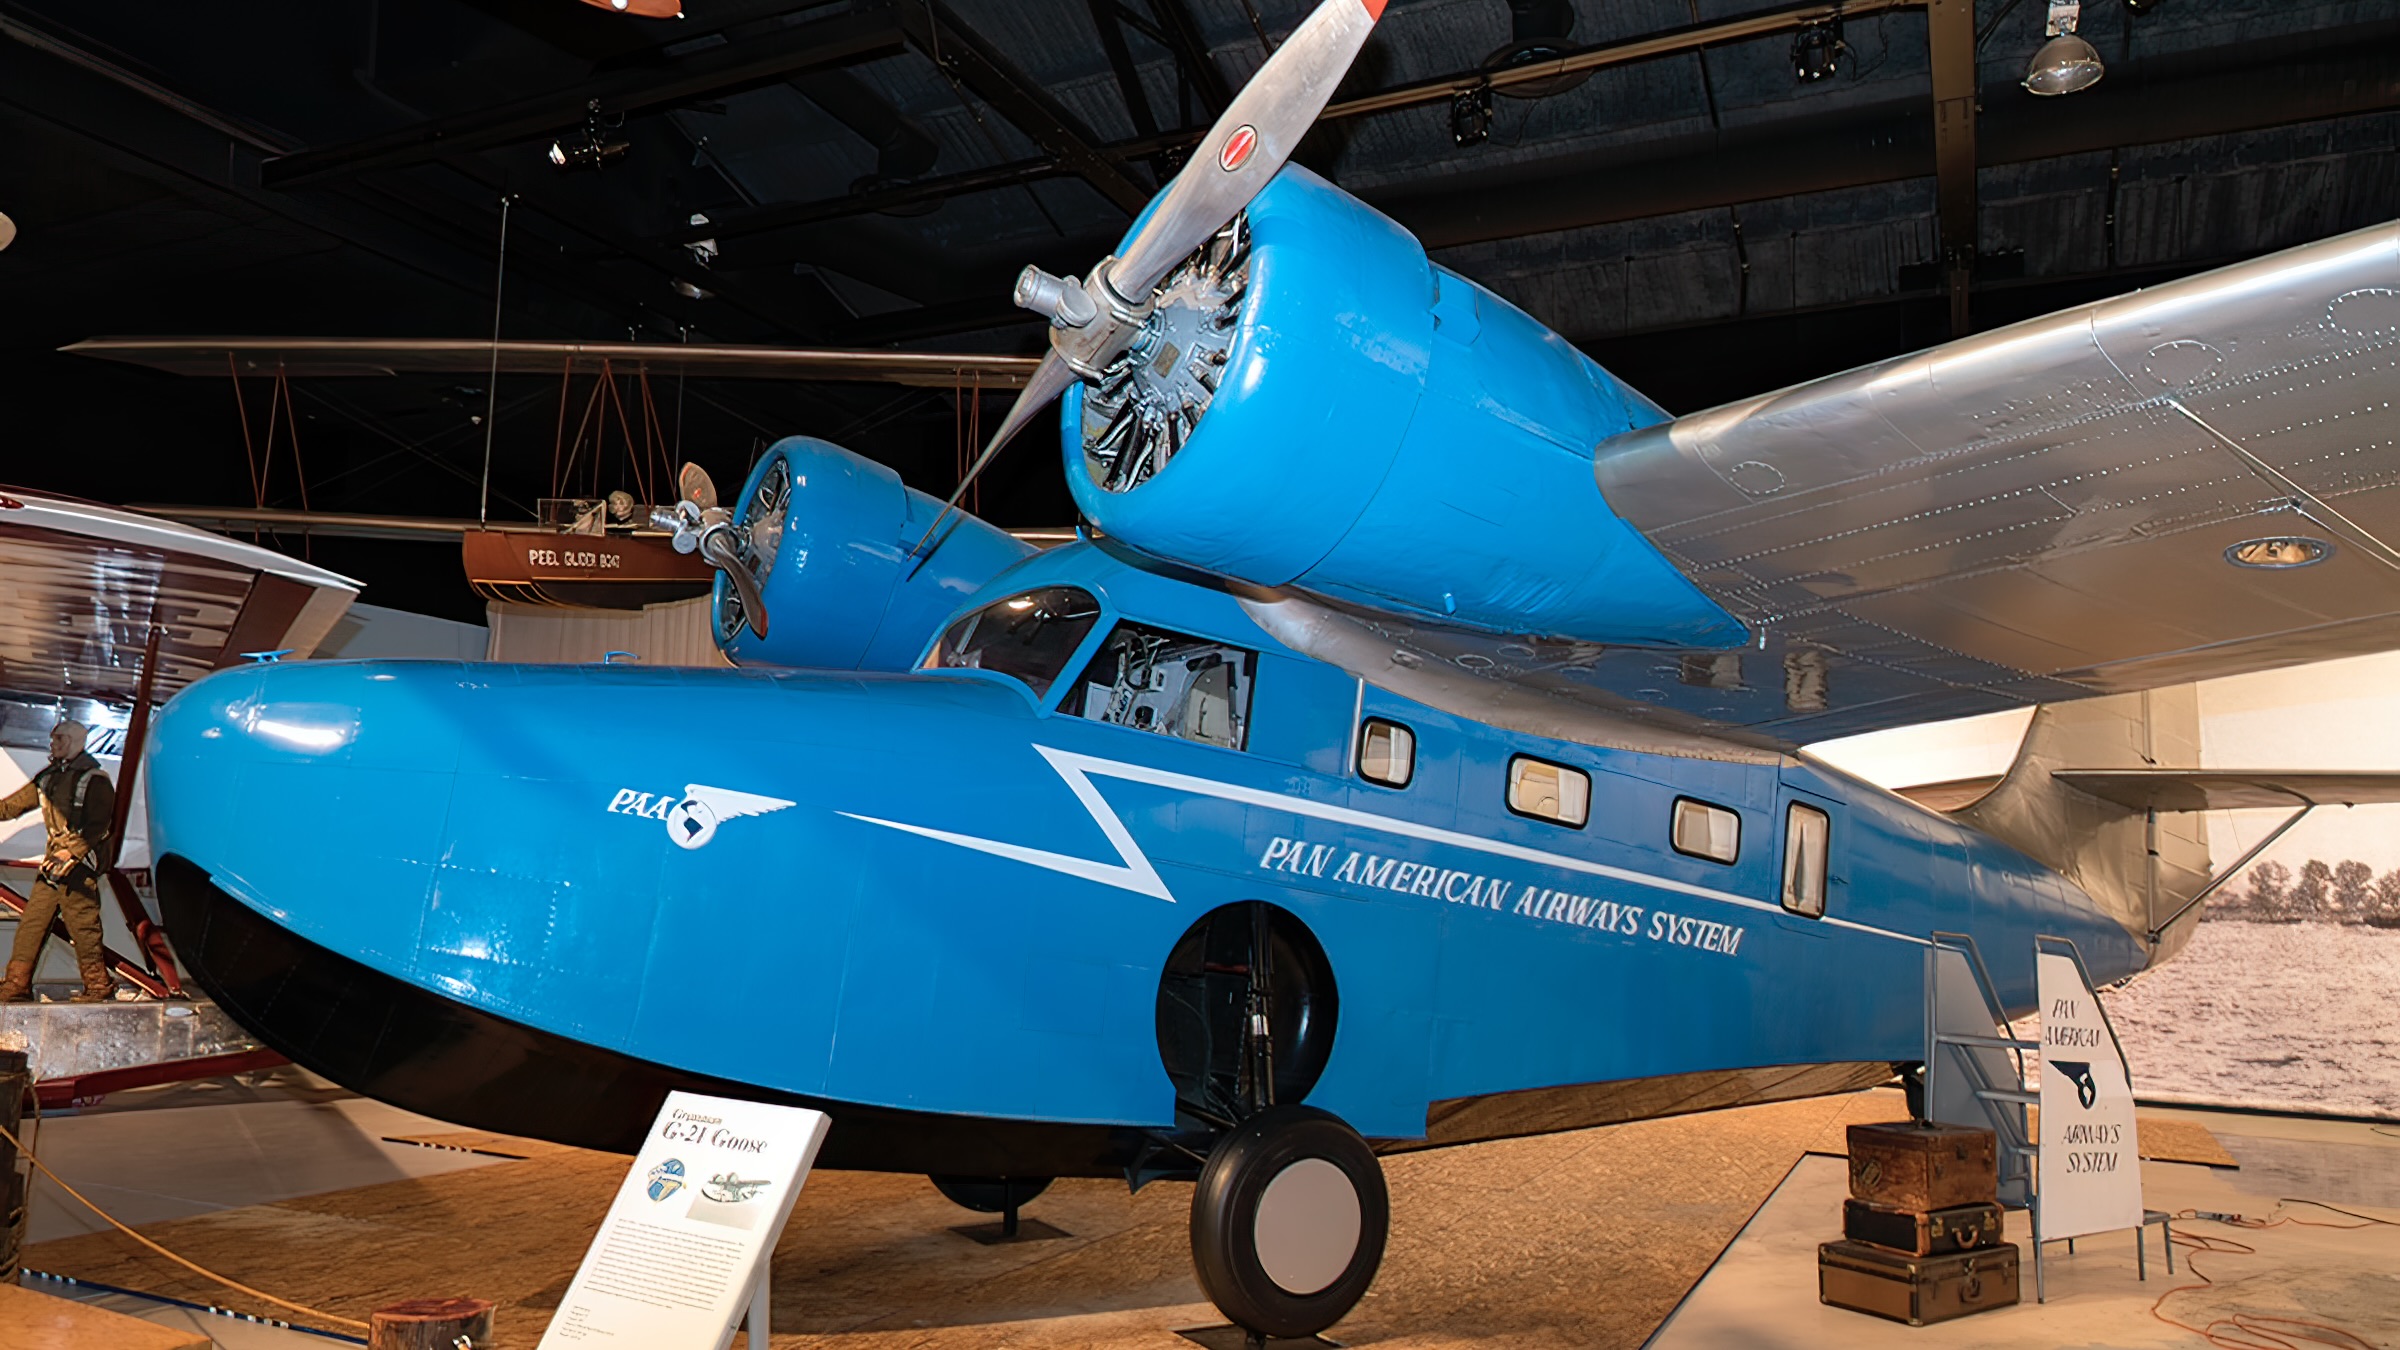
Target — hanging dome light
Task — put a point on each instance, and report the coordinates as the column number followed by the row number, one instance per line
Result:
column 2066, row 64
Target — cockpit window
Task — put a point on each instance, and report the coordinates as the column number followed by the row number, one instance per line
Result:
column 1028, row 637
column 1159, row 681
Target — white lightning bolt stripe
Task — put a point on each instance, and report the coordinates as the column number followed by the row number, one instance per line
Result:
column 1133, row 871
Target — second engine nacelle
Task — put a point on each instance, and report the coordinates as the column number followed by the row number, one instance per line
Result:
column 1316, row 404
column 829, row 535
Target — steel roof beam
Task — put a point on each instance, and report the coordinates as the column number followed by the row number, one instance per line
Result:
column 1950, row 35
column 964, row 56
column 729, row 68
column 2250, row 87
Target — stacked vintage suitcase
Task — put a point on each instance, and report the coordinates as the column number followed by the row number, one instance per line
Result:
column 1921, row 1229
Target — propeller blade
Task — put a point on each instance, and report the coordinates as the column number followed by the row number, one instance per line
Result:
column 696, row 486
column 1049, row 379
column 1249, row 144
column 717, row 547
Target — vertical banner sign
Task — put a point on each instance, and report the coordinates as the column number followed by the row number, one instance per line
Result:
column 2091, row 1176
column 690, row 1230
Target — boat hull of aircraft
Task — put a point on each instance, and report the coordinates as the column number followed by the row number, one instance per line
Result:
column 944, row 908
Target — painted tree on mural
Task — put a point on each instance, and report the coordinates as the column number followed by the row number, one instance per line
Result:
column 2343, row 892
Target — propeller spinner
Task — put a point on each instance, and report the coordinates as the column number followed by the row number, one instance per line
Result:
column 1152, row 351
column 700, row 524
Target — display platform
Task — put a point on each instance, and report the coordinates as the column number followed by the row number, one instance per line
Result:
column 1763, row 1294
column 1594, row 1238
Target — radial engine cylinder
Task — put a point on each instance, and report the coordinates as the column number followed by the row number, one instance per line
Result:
column 829, row 535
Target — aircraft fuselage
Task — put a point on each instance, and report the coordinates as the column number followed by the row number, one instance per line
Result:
column 940, row 903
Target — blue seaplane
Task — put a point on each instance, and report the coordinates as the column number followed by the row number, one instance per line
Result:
column 1407, row 751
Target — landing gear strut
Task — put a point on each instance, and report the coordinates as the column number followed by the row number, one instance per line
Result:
column 1289, row 1221
column 1003, row 1196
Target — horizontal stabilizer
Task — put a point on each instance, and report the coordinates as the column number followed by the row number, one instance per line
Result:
column 2230, row 790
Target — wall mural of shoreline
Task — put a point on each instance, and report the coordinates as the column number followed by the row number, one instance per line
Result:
column 2288, row 997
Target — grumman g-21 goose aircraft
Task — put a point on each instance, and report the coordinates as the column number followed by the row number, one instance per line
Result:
column 1407, row 755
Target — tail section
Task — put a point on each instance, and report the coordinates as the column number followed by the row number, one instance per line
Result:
column 2140, row 860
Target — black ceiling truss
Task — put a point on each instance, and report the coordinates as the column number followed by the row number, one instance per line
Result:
column 726, row 68
column 963, row 56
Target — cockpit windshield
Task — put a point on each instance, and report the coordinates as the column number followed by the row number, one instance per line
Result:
column 1027, row 637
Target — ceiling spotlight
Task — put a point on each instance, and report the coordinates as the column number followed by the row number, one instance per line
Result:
column 8, row 231
column 1817, row 51
column 2281, row 552
column 691, row 292
column 592, row 148
column 2066, row 64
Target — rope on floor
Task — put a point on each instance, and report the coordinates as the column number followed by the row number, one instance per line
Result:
column 197, row 1269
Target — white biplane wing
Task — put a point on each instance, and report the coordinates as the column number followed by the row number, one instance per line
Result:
column 81, row 584
column 2196, row 480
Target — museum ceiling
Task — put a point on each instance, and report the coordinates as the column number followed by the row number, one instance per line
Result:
column 1691, row 211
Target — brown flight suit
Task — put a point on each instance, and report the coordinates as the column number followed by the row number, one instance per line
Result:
column 79, row 805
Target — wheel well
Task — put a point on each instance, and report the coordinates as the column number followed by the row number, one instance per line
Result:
column 1213, row 982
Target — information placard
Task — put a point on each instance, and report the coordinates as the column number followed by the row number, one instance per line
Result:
column 690, row 1230
column 2091, row 1173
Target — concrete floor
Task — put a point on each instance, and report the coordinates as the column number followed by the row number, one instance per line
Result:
column 1762, row 1293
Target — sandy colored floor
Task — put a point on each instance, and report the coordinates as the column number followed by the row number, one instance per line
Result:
column 1584, row 1239
column 2308, row 1264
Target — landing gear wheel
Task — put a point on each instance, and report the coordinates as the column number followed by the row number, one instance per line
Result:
column 1289, row 1221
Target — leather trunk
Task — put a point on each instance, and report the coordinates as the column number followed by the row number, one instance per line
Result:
column 1921, row 1232
column 1918, row 1290
column 1923, row 1167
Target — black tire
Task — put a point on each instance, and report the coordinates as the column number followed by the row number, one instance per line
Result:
column 990, row 1195
column 1301, row 1184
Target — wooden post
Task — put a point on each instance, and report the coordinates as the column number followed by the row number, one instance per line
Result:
column 16, row 1089
column 431, row 1324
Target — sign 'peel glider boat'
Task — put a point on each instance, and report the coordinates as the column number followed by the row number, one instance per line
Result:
column 1408, row 756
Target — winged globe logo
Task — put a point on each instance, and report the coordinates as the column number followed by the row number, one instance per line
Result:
column 2087, row 1089
column 666, row 1179
column 693, row 815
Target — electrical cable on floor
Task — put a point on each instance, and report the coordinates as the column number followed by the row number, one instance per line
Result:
column 211, row 1309
column 2255, row 1331
column 200, row 1270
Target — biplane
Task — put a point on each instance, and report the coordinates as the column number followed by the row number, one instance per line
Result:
column 1406, row 753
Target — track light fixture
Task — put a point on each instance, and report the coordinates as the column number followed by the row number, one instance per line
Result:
column 1471, row 116
column 595, row 147
column 1817, row 50
column 2066, row 63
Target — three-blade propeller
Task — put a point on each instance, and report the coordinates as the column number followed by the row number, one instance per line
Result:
column 1095, row 318
column 700, row 524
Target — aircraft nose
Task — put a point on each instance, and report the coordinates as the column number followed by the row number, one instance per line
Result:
column 292, row 785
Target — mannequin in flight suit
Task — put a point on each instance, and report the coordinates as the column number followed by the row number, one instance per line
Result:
column 78, row 805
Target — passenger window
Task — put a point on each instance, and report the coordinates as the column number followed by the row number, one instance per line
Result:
column 1547, row 791
column 1387, row 753
column 1705, row 831
column 1153, row 680
column 1029, row 636
column 1806, row 832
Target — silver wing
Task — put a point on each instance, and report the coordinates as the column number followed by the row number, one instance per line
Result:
column 2036, row 514
column 2057, row 508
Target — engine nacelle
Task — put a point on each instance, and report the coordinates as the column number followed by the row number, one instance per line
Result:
column 1319, row 405
column 829, row 535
